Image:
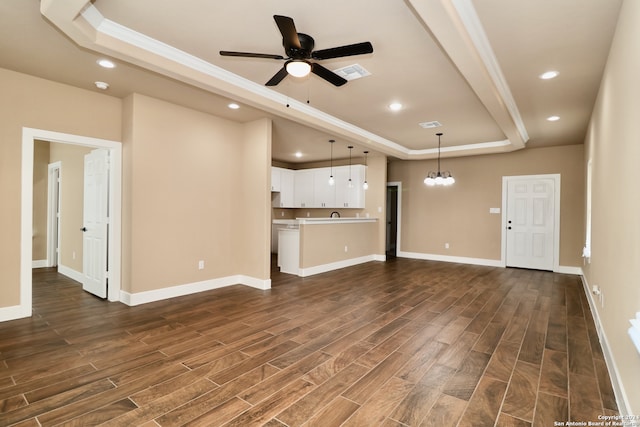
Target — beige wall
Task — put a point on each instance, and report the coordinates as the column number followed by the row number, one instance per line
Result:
column 613, row 147
column 31, row 102
column 71, row 158
column 40, row 192
column 325, row 243
column 459, row 215
column 196, row 188
column 252, row 228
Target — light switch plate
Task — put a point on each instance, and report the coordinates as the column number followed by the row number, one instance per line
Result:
column 494, row 210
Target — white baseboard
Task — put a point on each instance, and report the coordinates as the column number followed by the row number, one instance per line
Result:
column 616, row 380
column 70, row 273
column 191, row 288
column 39, row 263
column 310, row 271
column 563, row 269
column 14, row 312
column 447, row 258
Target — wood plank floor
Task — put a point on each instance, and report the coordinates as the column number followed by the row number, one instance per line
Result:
column 399, row 343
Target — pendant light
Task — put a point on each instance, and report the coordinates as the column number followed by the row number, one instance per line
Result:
column 439, row 178
column 331, row 180
column 365, row 185
column 350, row 184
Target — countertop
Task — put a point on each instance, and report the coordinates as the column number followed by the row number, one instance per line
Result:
column 345, row 220
column 323, row 220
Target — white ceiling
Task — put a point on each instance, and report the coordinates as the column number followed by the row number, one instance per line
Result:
column 472, row 65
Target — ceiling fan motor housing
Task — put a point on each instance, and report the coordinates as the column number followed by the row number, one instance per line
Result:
column 306, row 47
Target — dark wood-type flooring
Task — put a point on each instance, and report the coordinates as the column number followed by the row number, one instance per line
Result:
column 399, row 343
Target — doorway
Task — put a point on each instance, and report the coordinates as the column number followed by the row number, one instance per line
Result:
column 392, row 220
column 531, row 218
column 29, row 136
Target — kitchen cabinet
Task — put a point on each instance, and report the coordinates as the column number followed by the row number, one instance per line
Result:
column 303, row 189
column 275, row 179
column 282, row 182
column 309, row 188
column 324, row 195
column 349, row 196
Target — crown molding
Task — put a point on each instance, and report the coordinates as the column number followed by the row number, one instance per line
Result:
column 84, row 23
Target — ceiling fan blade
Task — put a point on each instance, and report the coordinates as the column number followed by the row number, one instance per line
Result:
column 250, row 54
column 288, row 30
column 278, row 77
column 327, row 74
column 347, row 50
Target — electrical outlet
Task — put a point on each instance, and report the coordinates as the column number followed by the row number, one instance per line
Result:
column 201, row 265
column 346, row 249
column 446, row 246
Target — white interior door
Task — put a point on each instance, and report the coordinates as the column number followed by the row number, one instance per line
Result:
column 96, row 220
column 530, row 223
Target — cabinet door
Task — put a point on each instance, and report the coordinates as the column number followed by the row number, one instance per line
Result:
column 324, row 195
column 349, row 196
column 275, row 179
column 303, row 189
column 286, row 188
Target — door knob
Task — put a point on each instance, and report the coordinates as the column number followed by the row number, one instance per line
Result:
column 508, row 228
column 83, row 229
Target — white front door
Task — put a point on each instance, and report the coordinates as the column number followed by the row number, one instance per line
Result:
column 530, row 223
column 95, row 218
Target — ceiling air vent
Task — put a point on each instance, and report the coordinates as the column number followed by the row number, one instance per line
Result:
column 429, row 125
column 352, row 72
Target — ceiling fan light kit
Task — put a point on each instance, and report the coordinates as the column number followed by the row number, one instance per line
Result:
column 299, row 50
column 439, row 178
column 298, row 68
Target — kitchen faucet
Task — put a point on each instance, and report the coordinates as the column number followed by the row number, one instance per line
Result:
column 334, row 214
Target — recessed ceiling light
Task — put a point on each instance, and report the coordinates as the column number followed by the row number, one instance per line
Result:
column 105, row 63
column 549, row 75
column 298, row 154
column 553, row 118
column 233, row 106
column 102, row 85
column 395, row 106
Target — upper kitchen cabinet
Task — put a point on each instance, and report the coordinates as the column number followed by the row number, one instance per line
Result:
column 309, row 188
column 349, row 194
column 282, row 182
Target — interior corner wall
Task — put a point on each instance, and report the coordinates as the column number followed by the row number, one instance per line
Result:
column 612, row 148
column 186, row 181
column 37, row 103
column 459, row 215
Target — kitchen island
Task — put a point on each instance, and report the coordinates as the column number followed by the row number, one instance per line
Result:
column 318, row 245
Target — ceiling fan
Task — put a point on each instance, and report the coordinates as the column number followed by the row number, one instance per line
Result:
column 299, row 50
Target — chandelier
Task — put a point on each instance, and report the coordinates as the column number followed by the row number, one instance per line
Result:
column 439, row 178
